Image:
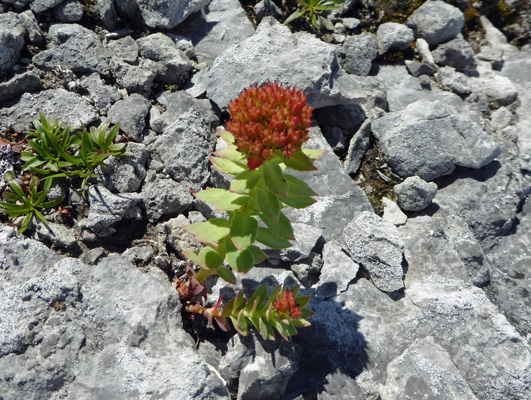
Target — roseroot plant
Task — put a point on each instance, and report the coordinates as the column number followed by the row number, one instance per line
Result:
column 315, row 8
column 268, row 126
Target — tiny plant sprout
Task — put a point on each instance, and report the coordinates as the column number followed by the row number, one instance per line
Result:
column 264, row 139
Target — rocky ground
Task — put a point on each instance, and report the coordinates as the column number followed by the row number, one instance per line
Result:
column 417, row 254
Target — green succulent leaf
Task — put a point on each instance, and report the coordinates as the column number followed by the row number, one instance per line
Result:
column 230, row 153
column 281, row 228
column 226, row 135
column 209, row 195
column 274, row 178
column 226, row 274
column 228, row 166
column 257, row 253
column 240, row 260
column 245, row 181
column 300, row 162
column 210, row 258
column 298, row 186
column 268, row 203
column 210, row 231
column 267, row 237
column 259, row 294
column 192, row 256
column 243, row 230
column 228, row 201
column 296, row 201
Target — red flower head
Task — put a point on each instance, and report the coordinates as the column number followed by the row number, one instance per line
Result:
column 286, row 304
column 269, row 118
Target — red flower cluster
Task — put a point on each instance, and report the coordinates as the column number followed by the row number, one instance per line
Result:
column 269, row 118
column 286, row 304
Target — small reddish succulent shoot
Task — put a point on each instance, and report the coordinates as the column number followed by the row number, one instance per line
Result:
column 215, row 313
column 286, row 304
column 191, row 287
column 269, row 118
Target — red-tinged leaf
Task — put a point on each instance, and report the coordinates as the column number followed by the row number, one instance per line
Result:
column 300, row 162
column 274, row 178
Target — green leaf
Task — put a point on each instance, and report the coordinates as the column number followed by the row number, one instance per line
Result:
column 230, row 153
column 313, row 154
column 243, row 230
column 298, row 186
column 228, row 201
column 266, row 330
column 294, row 16
column 210, row 231
column 267, row 237
column 245, row 181
column 226, row 135
column 326, row 22
column 228, row 166
column 274, row 178
column 210, row 258
column 282, row 228
column 268, row 203
column 302, row 301
column 209, row 195
column 192, row 256
column 298, row 201
column 257, row 253
column 226, row 274
column 260, row 294
column 300, row 162
column 240, row 260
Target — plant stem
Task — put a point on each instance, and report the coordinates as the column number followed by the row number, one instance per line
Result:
column 202, row 274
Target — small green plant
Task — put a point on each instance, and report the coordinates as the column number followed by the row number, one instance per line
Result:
column 315, row 8
column 264, row 138
column 57, row 152
column 26, row 199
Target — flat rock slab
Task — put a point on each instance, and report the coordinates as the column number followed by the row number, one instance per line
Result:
column 107, row 337
column 58, row 104
column 427, row 140
column 273, row 54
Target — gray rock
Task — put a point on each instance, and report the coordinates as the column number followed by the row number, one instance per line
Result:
column 377, row 246
column 66, row 333
column 139, row 255
column 82, row 53
column 425, row 367
column 7, row 163
column 456, row 53
column 125, row 174
column 57, row 235
column 55, row 104
column 417, row 69
column 307, row 270
column 240, row 351
column 348, row 117
column 167, row 14
column 491, row 54
column 427, row 140
column 177, row 237
column 265, row 8
column 165, row 197
column 267, row 373
column 60, row 33
column 307, row 237
column 106, row 209
column 357, row 53
column 68, row 11
column 184, row 148
column 177, row 103
column 103, row 96
column 350, row 23
column 498, row 89
column 454, row 81
column 392, row 213
column 39, row 6
column 273, row 54
column 393, row 36
column 173, row 67
column 336, row 138
column 415, row 194
column 12, row 33
column 21, row 83
column 436, row 22
column 501, row 118
column 524, row 144
column 127, row 8
column 424, row 51
column 339, row 386
column 134, row 78
column 339, row 198
column 222, row 24
column 131, row 114
column 107, row 13
column 510, row 280
column 33, row 31
column 337, row 272
column 364, row 91
column 126, row 48
column 93, row 256
column 359, row 144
